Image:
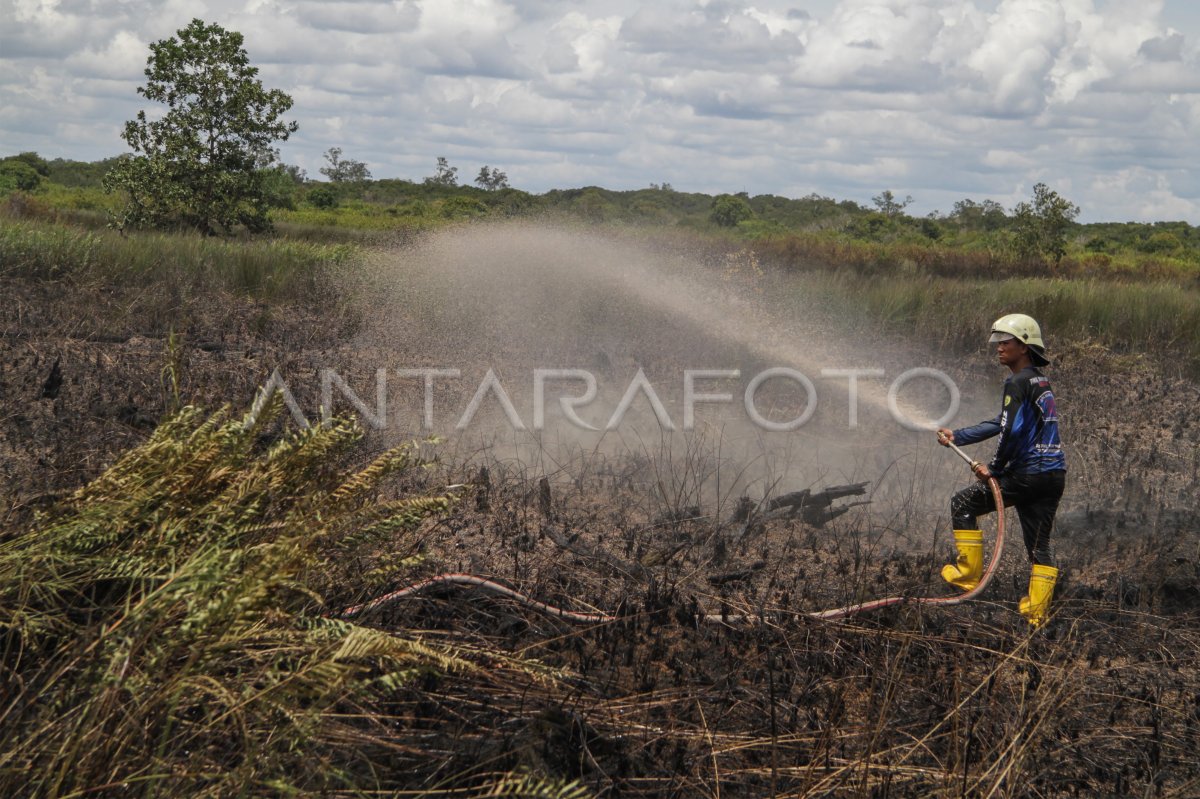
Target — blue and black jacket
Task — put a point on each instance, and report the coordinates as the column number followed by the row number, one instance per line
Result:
column 1027, row 426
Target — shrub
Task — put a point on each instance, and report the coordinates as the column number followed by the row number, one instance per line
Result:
column 166, row 625
column 1161, row 243
column 462, row 208
column 729, row 209
column 322, row 197
column 15, row 174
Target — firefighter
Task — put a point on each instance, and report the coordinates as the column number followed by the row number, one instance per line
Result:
column 1029, row 466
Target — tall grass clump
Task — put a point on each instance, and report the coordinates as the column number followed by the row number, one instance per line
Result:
column 317, row 233
column 165, row 631
column 988, row 257
column 366, row 216
column 263, row 268
column 1158, row 318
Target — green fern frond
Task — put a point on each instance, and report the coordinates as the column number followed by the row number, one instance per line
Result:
column 166, row 615
column 396, row 680
column 389, row 568
column 405, row 515
column 527, row 786
column 393, row 460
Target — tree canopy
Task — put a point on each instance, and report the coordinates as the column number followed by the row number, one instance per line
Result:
column 1041, row 227
column 888, row 205
column 23, row 171
column 729, row 209
column 344, row 170
column 201, row 164
column 491, row 178
column 445, row 175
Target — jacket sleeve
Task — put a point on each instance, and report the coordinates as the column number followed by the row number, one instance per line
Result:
column 977, row 432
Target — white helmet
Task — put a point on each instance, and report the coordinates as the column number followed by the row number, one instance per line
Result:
column 1026, row 330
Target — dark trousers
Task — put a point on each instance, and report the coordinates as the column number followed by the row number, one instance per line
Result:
column 1035, row 497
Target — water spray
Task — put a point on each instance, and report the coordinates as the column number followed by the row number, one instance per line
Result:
column 499, row 589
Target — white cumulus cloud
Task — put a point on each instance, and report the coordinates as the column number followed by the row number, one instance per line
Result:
column 940, row 99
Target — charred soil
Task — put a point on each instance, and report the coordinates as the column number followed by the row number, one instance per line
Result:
column 963, row 701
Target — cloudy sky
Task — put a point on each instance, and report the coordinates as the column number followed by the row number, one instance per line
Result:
column 940, row 99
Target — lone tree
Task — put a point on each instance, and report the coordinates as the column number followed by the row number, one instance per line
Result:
column 888, row 205
column 445, row 175
column 23, row 171
column 987, row 215
column 1041, row 227
column 491, row 178
column 344, row 170
column 729, row 209
column 201, row 164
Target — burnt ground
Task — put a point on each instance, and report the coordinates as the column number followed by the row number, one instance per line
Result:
column 1103, row 701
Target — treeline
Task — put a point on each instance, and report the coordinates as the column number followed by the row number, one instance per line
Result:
column 200, row 166
column 972, row 235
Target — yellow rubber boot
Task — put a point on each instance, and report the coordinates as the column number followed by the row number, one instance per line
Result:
column 1041, row 588
column 965, row 573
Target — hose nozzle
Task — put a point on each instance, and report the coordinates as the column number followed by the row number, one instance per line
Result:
column 947, row 442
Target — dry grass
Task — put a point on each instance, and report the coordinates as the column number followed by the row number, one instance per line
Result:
column 911, row 702
column 164, row 630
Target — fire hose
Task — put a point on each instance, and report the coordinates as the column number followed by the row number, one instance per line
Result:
column 499, row 589
column 863, row 607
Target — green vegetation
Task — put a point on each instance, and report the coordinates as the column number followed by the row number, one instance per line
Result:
column 1155, row 318
column 269, row 268
column 174, row 626
column 344, row 170
column 171, row 629
column 201, row 165
column 444, row 174
column 886, row 203
column 22, row 172
column 1130, row 287
column 1038, row 238
column 728, row 210
column 491, row 178
column 1040, row 227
